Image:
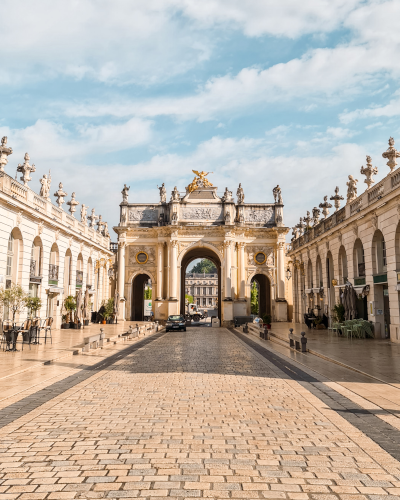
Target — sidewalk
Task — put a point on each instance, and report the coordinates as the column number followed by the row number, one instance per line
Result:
column 379, row 358
column 65, row 342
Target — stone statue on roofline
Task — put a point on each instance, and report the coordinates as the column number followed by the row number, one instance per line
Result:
column 351, row 189
column 92, row 218
column 4, row 153
column 369, row 171
column 336, row 198
column 227, row 195
column 60, row 194
column 277, row 192
column 125, row 193
column 316, row 214
column 391, row 154
column 72, row 204
column 240, row 194
column 175, row 194
column 26, row 169
column 325, row 207
column 163, row 193
column 84, row 213
column 45, row 186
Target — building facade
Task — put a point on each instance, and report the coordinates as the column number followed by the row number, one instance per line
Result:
column 46, row 250
column 358, row 244
column 204, row 289
column 245, row 241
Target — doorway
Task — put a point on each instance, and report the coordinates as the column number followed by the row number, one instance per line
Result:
column 261, row 295
column 141, row 298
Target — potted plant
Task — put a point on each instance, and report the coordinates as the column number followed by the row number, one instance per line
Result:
column 70, row 306
column 65, row 324
column 108, row 311
column 33, row 304
column 13, row 298
column 267, row 321
column 318, row 323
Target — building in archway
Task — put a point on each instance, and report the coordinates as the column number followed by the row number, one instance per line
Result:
column 159, row 240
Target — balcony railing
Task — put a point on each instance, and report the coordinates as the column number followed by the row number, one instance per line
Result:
column 53, row 273
column 32, row 271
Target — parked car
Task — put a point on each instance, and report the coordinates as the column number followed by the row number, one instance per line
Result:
column 175, row 322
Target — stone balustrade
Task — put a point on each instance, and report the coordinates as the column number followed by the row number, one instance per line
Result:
column 41, row 205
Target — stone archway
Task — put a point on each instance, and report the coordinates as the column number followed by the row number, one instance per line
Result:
column 137, row 304
column 264, row 287
column 199, row 253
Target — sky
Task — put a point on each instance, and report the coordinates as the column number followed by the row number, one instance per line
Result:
column 260, row 92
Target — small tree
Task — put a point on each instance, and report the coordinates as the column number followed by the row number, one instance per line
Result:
column 109, row 308
column 33, row 304
column 189, row 298
column 148, row 292
column 254, row 298
column 13, row 298
column 70, row 305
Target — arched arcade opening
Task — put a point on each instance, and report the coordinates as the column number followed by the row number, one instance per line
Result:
column 188, row 258
column 142, row 295
column 261, row 288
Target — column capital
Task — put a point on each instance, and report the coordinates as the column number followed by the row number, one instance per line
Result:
column 241, row 244
column 227, row 244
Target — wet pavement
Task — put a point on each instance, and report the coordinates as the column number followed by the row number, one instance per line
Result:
column 203, row 413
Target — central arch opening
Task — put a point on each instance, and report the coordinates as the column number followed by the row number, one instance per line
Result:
column 204, row 283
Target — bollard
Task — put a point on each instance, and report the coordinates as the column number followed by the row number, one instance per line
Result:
column 156, row 326
column 266, row 333
column 246, row 328
column 303, row 342
column 291, row 341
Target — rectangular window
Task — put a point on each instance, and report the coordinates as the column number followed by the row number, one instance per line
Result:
column 210, row 291
column 204, row 302
column 198, row 291
column 204, row 291
column 198, row 302
column 210, row 301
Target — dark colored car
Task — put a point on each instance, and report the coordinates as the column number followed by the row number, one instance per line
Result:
column 176, row 322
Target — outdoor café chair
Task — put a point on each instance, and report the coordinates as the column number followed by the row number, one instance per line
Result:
column 25, row 330
column 47, row 324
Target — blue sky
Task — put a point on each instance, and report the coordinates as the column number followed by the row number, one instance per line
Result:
column 259, row 92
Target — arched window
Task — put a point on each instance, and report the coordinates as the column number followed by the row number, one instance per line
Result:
column 89, row 273
column 310, row 274
column 10, row 255
column 79, row 271
column 320, row 282
column 343, row 272
column 358, row 259
column 67, row 272
column 379, row 263
column 14, row 258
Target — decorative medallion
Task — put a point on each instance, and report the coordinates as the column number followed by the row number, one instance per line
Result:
column 260, row 258
column 142, row 257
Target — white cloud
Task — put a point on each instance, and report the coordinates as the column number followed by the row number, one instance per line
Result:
column 341, row 133
column 389, row 110
column 120, row 41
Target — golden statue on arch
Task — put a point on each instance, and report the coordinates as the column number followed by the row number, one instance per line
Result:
column 200, row 181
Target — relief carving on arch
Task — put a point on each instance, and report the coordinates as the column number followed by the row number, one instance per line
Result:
column 253, row 250
column 135, row 249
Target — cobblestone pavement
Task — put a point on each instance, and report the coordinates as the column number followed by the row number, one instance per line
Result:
column 195, row 414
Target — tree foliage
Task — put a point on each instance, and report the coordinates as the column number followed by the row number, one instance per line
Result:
column 189, row 298
column 204, row 266
column 13, row 298
column 148, row 293
column 254, row 298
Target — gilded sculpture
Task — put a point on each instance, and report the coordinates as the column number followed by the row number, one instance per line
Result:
column 200, row 181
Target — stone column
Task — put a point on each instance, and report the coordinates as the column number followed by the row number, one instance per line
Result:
column 160, row 269
column 121, row 278
column 228, row 265
column 281, row 271
column 242, row 271
column 173, row 263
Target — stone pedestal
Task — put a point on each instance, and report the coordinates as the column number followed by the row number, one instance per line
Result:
column 281, row 310
column 227, row 313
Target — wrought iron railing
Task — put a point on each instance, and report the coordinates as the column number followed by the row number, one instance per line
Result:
column 53, row 272
column 79, row 278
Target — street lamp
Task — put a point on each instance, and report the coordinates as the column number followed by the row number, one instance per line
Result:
column 288, row 273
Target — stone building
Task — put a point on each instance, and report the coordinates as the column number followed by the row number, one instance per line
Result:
column 358, row 244
column 204, row 289
column 245, row 241
column 46, row 250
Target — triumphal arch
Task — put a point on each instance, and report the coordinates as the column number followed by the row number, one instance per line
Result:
column 157, row 241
